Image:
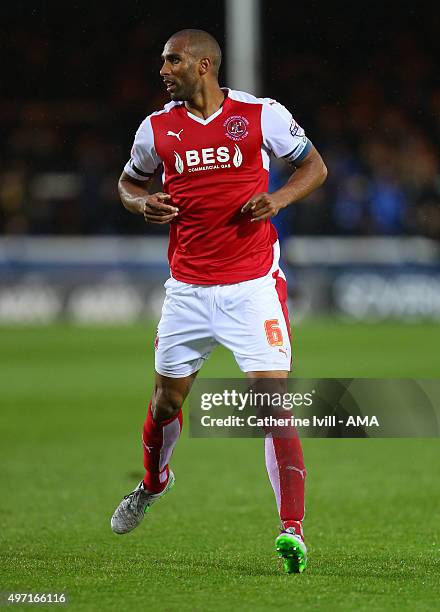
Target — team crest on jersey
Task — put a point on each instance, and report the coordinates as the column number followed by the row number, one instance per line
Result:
column 236, row 127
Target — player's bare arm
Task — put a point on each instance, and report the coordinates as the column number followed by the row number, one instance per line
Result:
column 155, row 207
column 309, row 174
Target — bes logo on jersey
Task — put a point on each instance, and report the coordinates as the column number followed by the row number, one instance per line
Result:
column 208, row 159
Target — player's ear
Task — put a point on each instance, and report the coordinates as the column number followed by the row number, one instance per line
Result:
column 204, row 65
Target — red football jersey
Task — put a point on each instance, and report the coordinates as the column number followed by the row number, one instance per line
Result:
column 211, row 168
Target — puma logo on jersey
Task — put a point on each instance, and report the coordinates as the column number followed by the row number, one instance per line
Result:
column 283, row 351
column 208, row 159
column 170, row 133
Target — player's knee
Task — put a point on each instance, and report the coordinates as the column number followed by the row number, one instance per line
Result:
column 166, row 403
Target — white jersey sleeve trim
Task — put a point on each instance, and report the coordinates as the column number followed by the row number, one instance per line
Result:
column 243, row 96
column 168, row 107
column 281, row 133
column 144, row 159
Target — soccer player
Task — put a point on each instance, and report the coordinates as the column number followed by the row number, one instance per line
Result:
column 226, row 287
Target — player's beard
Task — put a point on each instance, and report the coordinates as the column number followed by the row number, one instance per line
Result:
column 180, row 94
column 184, row 91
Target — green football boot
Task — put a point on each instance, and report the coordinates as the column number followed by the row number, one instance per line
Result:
column 291, row 548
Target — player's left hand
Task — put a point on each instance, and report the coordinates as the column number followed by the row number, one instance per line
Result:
column 263, row 206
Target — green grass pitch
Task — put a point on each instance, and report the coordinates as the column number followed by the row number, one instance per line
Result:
column 72, row 407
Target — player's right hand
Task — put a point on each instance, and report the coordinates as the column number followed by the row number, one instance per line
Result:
column 158, row 208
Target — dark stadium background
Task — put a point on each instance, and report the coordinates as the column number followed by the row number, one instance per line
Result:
column 361, row 78
column 81, row 288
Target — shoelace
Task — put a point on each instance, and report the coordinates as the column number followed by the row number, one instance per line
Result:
column 293, row 532
column 131, row 496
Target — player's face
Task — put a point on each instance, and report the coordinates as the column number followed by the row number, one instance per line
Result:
column 179, row 70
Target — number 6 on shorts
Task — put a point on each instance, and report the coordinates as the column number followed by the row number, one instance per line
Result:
column 274, row 334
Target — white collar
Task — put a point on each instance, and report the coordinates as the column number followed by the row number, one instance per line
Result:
column 214, row 115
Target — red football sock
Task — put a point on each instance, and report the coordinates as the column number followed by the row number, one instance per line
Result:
column 285, row 467
column 159, row 440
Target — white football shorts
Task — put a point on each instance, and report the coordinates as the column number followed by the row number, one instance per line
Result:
column 249, row 318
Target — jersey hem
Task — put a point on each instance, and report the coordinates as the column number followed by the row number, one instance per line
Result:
column 193, row 280
column 239, row 278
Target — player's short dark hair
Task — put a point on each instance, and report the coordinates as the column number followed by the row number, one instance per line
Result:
column 202, row 44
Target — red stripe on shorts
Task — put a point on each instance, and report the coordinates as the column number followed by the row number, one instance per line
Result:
column 281, row 289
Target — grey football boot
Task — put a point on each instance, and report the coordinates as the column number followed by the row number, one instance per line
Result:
column 133, row 507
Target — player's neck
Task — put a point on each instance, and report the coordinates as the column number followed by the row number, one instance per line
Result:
column 206, row 102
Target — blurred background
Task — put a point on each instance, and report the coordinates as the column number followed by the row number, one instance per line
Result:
column 361, row 80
